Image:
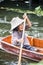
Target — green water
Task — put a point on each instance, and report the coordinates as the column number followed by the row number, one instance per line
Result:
column 9, row 59
column 36, row 31
column 37, row 23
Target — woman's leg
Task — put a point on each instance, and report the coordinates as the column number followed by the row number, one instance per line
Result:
column 29, row 47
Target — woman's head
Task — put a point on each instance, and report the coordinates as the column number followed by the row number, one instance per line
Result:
column 15, row 22
column 19, row 28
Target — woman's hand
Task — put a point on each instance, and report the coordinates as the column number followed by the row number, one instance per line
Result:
column 27, row 19
column 20, row 40
column 25, row 16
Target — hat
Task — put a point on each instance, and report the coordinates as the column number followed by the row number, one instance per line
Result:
column 16, row 21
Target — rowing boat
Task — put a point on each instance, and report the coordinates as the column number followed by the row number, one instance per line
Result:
column 7, row 46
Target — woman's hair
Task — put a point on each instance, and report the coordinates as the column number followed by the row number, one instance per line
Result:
column 16, row 29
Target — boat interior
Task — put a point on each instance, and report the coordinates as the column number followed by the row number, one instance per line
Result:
column 36, row 42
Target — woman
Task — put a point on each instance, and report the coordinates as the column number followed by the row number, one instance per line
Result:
column 17, row 29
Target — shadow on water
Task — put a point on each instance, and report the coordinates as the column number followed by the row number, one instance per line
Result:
column 9, row 59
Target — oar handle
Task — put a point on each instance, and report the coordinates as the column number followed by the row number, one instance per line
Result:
column 19, row 62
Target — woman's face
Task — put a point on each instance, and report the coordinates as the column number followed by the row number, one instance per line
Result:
column 20, row 27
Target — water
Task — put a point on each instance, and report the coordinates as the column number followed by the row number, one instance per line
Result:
column 36, row 31
column 37, row 26
column 9, row 59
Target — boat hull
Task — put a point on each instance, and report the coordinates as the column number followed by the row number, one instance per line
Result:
column 25, row 53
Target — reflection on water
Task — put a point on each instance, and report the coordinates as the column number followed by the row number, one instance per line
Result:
column 4, row 32
column 9, row 59
column 37, row 26
column 36, row 30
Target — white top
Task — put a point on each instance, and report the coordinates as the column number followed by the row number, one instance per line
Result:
column 18, row 35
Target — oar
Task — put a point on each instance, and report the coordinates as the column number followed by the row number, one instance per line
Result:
column 20, row 54
column 0, row 42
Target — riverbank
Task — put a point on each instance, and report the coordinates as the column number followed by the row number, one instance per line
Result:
column 20, row 10
column 22, row 7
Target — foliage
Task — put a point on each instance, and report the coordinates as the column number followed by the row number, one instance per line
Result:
column 38, row 11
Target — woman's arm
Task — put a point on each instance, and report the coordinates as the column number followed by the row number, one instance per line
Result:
column 28, row 22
